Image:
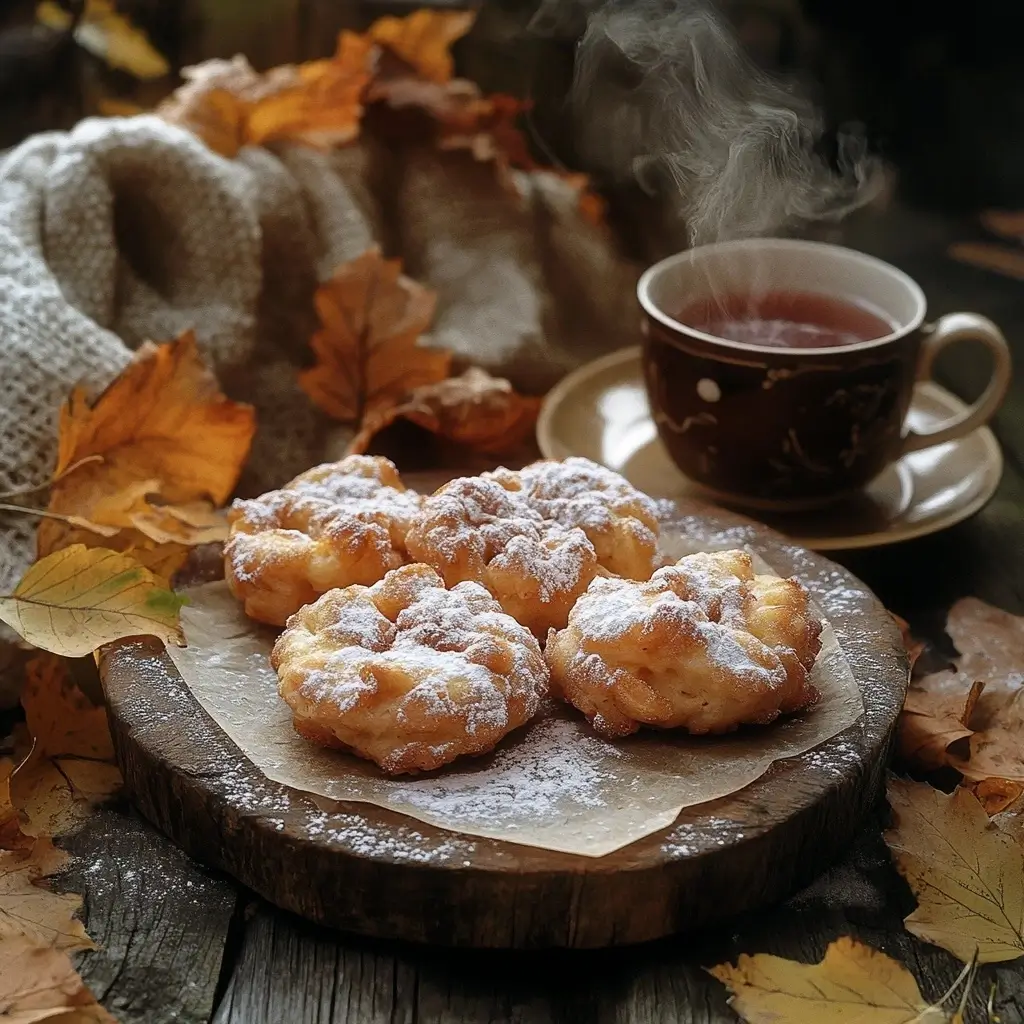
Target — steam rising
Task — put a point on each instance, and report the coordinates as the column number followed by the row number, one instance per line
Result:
column 663, row 93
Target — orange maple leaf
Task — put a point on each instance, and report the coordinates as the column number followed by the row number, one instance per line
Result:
column 477, row 410
column 162, row 425
column 423, row 39
column 371, row 316
column 324, row 107
column 228, row 105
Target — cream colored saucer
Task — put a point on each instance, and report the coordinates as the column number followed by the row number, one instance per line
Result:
column 600, row 411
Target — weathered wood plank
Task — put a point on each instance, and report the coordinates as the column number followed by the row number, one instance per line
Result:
column 160, row 921
column 290, row 971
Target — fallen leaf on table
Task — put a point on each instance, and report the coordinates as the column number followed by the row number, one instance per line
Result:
column 853, row 983
column 61, row 719
column 11, row 836
column 991, row 646
column 989, row 256
column 30, row 910
column 367, row 357
column 108, row 35
column 484, row 413
column 56, row 795
column 38, row 982
column 967, row 875
column 77, row 599
column 935, row 716
column 996, row 795
column 1006, row 223
column 423, row 39
column 325, row 105
column 162, row 423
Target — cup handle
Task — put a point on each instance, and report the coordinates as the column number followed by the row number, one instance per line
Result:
column 948, row 330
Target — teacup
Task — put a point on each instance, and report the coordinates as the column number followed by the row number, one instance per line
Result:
column 788, row 428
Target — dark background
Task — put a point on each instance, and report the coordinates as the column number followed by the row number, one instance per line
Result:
column 939, row 88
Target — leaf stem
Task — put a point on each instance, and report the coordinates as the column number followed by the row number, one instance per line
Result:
column 22, row 491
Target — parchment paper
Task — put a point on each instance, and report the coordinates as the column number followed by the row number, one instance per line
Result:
column 552, row 784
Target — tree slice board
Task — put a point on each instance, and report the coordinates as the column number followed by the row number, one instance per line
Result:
column 384, row 875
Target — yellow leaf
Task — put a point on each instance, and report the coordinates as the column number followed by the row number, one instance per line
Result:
column 935, row 716
column 11, row 836
column 967, row 875
column 79, row 598
column 325, row 106
column 110, row 36
column 61, row 719
column 367, row 357
column 28, row 909
column 423, row 39
column 853, row 984
column 38, row 982
column 484, row 413
column 163, row 419
column 56, row 795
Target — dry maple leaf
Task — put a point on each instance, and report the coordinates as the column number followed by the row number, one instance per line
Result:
column 367, row 357
column 62, row 720
column 325, row 105
column 935, row 716
column 991, row 646
column 77, row 599
column 229, row 105
column 109, row 35
column 484, row 413
column 38, row 982
column 56, row 795
column 967, row 875
column 423, row 39
column 164, row 420
column 11, row 835
column 853, row 983
column 29, row 909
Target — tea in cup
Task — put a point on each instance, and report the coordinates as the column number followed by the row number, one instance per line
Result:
column 780, row 372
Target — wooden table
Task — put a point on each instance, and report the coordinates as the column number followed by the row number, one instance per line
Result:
column 179, row 943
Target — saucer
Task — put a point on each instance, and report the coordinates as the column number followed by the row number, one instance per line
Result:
column 600, row 411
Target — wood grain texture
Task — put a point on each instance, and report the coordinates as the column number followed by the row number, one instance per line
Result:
column 291, row 972
column 391, row 878
column 160, row 922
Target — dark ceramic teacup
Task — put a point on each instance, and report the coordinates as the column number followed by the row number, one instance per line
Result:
column 788, row 428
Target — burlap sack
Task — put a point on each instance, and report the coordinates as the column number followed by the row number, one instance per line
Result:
column 126, row 230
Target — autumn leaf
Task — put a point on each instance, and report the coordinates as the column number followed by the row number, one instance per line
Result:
column 489, row 130
column 38, row 982
column 367, row 357
column 56, row 795
column 30, row 910
column 77, row 599
column 853, row 983
column 423, row 39
column 11, row 835
column 935, row 716
column 228, row 105
column 108, row 35
column 967, row 875
column 325, row 105
column 62, row 720
column 163, row 423
column 484, row 413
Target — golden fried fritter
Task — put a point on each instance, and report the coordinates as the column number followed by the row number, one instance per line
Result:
column 483, row 529
column 620, row 521
column 408, row 674
column 705, row 645
column 336, row 524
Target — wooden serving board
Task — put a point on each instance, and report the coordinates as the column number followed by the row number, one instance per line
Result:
column 378, row 873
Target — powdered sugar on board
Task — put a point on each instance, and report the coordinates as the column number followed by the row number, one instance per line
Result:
column 552, row 784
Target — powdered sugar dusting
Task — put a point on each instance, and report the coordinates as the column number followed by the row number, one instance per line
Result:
column 527, row 786
column 553, row 785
